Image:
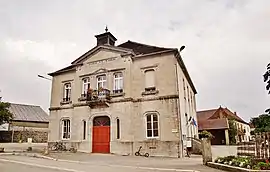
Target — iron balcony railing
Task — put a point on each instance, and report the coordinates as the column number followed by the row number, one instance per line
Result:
column 100, row 94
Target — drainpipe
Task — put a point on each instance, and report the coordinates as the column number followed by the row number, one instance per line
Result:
column 180, row 144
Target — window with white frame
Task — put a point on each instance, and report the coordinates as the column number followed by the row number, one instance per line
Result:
column 150, row 80
column 152, row 125
column 65, row 129
column 85, row 85
column 101, row 81
column 67, row 92
column 118, row 82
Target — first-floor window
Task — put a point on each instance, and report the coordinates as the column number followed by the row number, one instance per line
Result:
column 150, row 80
column 67, row 92
column 118, row 82
column 101, row 81
column 66, row 129
column 85, row 86
column 152, row 125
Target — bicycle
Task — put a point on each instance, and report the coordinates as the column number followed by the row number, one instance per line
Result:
column 59, row 146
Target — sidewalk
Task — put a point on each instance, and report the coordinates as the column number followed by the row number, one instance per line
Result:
column 22, row 147
column 193, row 163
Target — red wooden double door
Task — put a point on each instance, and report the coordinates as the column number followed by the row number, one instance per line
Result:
column 101, row 135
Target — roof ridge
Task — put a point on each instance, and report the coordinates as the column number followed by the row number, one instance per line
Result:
column 207, row 110
column 146, row 45
column 24, row 104
column 112, row 46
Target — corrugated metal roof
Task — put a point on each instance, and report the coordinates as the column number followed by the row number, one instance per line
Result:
column 33, row 113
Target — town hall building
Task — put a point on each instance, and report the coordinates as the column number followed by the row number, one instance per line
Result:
column 118, row 98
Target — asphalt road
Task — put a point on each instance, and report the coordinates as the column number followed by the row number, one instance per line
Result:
column 29, row 164
column 11, row 167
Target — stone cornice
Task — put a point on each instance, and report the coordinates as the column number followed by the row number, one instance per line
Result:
column 144, row 99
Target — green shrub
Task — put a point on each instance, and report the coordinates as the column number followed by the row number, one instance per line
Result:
column 220, row 160
column 262, row 165
column 229, row 158
column 235, row 161
column 205, row 134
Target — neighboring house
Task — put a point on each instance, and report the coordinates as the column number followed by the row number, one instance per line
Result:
column 114, row 99
column 28, row 117
column 216, row 121
column 28, row 121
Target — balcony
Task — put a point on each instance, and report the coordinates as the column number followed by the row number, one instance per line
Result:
column 97, row 98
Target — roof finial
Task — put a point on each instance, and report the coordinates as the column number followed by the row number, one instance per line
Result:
column 106, row 29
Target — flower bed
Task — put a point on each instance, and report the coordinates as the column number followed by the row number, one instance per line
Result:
column 244, row 162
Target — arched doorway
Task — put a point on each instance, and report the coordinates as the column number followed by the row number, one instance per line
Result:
column 101, row 135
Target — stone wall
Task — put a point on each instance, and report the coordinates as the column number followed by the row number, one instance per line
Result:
column 196, row 146
column 37, row 136
column 221, row 151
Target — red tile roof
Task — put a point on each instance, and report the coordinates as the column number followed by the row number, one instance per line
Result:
column 213, row 124
column 209, row 119
column 236, row 117
column 205, row 114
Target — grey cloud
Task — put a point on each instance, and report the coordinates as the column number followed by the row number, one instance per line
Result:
column 19, row 81
column 227, row 43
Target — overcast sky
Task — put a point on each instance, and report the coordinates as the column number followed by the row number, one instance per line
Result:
column 227, row 44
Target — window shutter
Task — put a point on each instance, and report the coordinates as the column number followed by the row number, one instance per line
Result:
column 149, row 78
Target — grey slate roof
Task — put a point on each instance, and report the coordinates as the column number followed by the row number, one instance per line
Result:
column 31, row 113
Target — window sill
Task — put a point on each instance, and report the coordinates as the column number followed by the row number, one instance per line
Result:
column 152, row 138
column 81, row 99
column 150, row 92
column 117, row 94
column 65, row 103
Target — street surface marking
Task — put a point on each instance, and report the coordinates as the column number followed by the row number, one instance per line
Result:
column 42, row 166
column 72, row 170
column 126, row 166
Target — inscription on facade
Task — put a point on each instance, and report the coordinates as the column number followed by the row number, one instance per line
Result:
column 102, row 61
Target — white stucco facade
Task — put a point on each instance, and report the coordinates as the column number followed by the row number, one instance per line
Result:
column 166, row 101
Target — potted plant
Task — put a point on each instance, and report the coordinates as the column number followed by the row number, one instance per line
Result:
column 206, row 134
column 100, row 89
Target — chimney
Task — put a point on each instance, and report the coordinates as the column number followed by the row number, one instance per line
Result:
column 106, row 38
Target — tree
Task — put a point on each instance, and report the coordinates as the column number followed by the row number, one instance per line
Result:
column 232, row 132
column 261, row 123
column 266, row 78
column 5, row 114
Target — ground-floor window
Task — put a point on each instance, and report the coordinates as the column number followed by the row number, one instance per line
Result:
column 65, row 129
column 152, row 125
column 84, row 129
column 118, row 128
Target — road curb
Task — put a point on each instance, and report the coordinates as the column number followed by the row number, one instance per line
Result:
column 10, row 153
column 35, row 155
